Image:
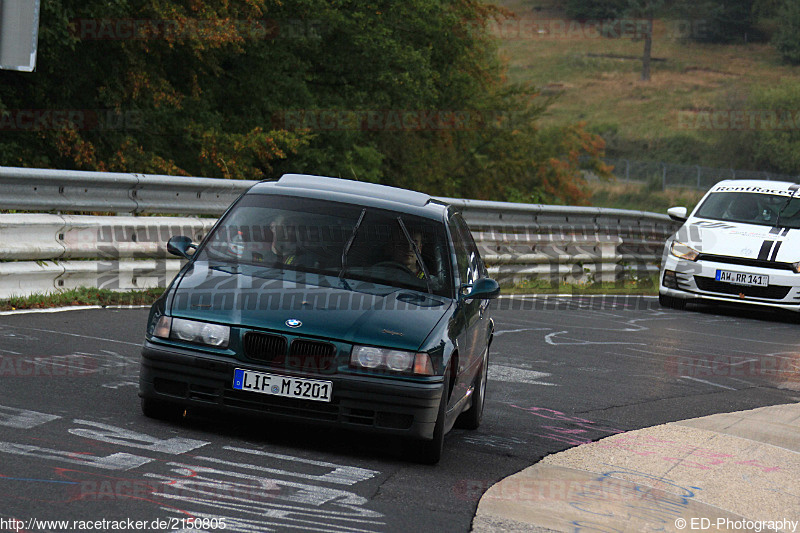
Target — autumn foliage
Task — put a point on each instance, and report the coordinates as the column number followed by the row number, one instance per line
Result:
column 203, row 88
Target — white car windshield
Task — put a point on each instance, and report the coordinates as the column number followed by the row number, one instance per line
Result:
column 752, row 208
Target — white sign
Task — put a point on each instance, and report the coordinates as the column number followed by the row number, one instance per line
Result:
column 19, row 34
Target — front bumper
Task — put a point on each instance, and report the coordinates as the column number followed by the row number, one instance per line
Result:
column 696, row 280
column 364, row 403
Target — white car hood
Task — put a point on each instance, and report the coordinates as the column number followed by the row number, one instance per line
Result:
column 741, row 240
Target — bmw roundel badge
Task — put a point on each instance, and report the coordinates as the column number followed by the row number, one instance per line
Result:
column 293, row 323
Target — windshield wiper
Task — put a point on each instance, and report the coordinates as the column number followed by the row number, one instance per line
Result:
column 418, row 254
column 785, row 205
column 348, row 245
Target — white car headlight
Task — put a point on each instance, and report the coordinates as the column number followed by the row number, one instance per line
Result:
column 372, row 358
column 181, row 329
column 683, row 251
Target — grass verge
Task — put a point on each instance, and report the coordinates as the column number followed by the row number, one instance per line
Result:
column 641, row 196
column 81, row 296
column 646, row 286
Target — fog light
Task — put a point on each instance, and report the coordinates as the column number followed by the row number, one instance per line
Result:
column 670, row 280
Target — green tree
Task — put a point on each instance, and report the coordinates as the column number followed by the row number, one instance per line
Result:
column 255, row 88
column 787, row 38
column 724, row 21
column 595, row 9
column 170, row 95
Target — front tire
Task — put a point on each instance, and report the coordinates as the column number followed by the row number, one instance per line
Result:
column 430, row 451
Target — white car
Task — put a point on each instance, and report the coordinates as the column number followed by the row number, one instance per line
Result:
column 740, row 244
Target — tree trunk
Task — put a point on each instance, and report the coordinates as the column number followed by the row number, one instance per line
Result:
column 648, row 46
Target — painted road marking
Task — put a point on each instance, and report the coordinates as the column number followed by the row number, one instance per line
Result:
column 518, row 375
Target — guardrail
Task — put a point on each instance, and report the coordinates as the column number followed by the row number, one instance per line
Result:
column 53, row 251
column 33, row 189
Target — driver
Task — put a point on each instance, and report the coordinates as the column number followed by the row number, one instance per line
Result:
column 403, row 253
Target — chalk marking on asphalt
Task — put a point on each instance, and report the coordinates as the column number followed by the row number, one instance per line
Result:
column 634, row 329
column 137, row 344
column 729, row 337
column 512, row 374
column 632, row 356
column 711, row 357
column 742, row 381
column 549, row 339
column 125, row 437
column 70, row 308
column 340, row 474
column 504, row 331
column 23, row 418
column 708, row 382
column 115, row 461
column 710, row 360
column 119, row 384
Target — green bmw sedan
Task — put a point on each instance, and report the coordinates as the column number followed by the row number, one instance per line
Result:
column 331, row 302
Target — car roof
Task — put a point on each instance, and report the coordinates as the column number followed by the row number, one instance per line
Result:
column 354, row 192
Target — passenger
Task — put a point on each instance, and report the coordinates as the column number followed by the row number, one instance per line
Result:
column 744, row 208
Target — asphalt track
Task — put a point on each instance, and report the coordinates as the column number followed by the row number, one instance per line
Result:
column 566, row 371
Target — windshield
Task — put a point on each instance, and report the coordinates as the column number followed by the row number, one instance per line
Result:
column 752, row 208
column 330, row 238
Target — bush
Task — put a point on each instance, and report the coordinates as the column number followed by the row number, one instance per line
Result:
column 772, row 142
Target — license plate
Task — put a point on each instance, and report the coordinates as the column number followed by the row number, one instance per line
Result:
column 288, row 387
column 742, row 278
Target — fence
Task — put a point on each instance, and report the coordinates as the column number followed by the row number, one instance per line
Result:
column 692, row 176
column 50, row 251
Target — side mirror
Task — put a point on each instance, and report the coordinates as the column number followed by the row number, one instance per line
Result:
column 483, row 289
column 180, row 245
column 678, row 214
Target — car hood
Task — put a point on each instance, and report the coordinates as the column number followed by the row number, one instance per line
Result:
column 742, row 240
column 394, row 318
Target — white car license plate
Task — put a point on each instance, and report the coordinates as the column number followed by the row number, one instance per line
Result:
column 742, row 278
column 276, row 385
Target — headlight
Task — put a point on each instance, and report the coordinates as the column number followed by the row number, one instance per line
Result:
column 192, row 331
column 373, row 358
column 796, row 267
column 683, row 251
